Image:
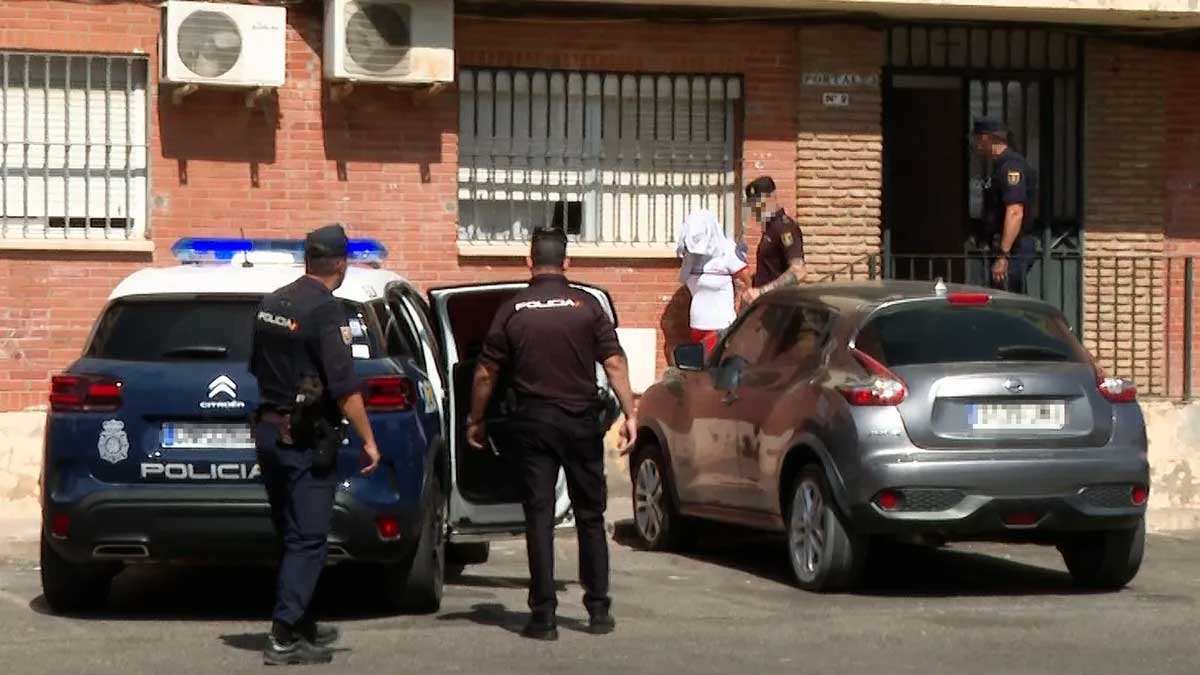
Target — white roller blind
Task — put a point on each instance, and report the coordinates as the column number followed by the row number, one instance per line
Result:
column 73, row 152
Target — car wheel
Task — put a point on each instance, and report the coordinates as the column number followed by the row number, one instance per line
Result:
column 1107, row 560
column 70, row 587
column 825, row 555
column 417, row 587
column 655, row 515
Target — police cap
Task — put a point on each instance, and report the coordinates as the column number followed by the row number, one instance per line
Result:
column 763, row 185
column 327, row 242
column 989, row 126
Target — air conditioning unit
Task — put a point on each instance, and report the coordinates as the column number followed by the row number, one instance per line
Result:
column 391, row 41
column 224, row 44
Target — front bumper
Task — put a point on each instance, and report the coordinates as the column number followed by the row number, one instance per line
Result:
column 210, row 524
column 1017, row 495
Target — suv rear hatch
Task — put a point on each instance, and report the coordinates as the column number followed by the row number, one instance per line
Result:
column 185, row 391
column 988, row 373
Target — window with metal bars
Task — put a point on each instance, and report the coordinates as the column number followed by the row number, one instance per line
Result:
column 73, row 146
column 614, row 159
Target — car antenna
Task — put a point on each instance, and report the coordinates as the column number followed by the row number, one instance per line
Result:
column 245, row 258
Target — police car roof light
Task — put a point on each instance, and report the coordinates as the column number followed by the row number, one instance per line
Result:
column 227, row 250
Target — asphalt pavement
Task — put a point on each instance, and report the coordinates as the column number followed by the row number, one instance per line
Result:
column 727, row 608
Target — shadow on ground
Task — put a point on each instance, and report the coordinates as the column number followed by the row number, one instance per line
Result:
column 893, row 570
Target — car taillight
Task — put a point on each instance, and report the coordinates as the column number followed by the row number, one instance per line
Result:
column 1117, row 389
column 1138, row 495
column 388, row 527
column 885, row 389
column 389, row 393
column 84, row 393
column 968, row 298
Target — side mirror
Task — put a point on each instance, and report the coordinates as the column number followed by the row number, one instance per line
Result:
column 689, row 357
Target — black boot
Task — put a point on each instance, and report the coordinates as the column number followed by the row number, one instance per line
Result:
column 541, row 628
column 602, row 624
column 285, row 647
column 318, row 634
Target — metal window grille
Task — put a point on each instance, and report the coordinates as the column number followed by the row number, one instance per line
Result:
column 614, row 159
column 73, row 146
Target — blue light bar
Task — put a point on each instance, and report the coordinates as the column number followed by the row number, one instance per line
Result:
column 225, row 250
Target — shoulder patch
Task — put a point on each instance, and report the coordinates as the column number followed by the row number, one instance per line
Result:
column 1014, row 177
column 346, row 336
column 787, row 239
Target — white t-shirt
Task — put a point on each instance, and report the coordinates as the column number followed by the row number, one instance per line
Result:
column 711, row 283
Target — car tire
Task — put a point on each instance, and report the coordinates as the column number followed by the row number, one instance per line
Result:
column 69, row 587
column 416, row 587
column 656, row 517
column 1105, row 560
column 826, row 556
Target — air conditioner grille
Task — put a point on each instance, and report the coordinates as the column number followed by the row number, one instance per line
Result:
column 378, row 36
column 209, row 43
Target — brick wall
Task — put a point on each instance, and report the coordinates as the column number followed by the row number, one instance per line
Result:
column 1125, row 150
column 839, row 169
column 1182, row 209
column 384, row 161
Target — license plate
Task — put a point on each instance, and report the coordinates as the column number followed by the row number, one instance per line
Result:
column 202, row 435
column 1042, row 415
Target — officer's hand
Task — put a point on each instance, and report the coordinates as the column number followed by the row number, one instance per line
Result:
column 628, row 435
column 372, row 454
column 476, row 435
column 1000, row 271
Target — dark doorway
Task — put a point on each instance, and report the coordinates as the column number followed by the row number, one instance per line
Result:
column 924, row 186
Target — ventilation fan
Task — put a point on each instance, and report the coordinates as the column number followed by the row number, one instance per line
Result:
column 209, row 43
column 392, row 41
column 224, row 44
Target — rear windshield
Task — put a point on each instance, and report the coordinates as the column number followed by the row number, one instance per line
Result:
column 208, row 329
column 935, row 332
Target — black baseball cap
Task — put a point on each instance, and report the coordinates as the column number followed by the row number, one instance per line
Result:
column 327, row 242
column 763, row 185
column 988, row 125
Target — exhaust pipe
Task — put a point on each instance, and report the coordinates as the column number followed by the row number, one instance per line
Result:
column 337, row 552
column 122, row 551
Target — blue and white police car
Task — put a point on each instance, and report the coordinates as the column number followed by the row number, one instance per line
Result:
column 148, row 454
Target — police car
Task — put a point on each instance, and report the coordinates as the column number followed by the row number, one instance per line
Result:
column 148, row 453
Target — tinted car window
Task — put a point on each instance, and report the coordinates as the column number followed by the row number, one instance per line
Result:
column 801, row 336
column 393, row 333
column 189, row 329
column 922, row 333
column 751, row 339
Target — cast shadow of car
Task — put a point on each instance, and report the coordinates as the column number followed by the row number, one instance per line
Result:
column 895, row 570
column 154, row 593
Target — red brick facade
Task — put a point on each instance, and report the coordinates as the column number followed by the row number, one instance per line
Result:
column 384, row 161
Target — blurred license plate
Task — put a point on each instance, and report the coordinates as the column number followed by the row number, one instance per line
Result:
column 1044, row 415
column 206, row 435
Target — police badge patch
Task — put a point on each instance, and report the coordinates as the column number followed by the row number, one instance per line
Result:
column 346, row 336
column 787, row 239
column 1014, row 177
column 113, row 443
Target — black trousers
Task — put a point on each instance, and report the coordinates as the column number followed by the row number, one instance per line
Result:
column 302, row 512
column 540, row 447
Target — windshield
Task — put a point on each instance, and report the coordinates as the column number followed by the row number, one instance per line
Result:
column 937, row 332
column 183, row 329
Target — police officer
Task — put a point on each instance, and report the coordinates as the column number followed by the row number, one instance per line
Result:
column 1008, row 200
column 546, row 343
column 780, row 257
column 306, row 383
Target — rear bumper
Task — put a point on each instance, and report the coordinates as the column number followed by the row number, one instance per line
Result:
column 1016, row 495
column 210, row 524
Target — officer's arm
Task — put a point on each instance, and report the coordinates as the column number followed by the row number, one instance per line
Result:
column 617, row 369
column 484, row 383
column 1014, row 216
column 493, row 356
column 340, row 378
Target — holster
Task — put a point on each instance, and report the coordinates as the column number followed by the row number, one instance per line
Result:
column 310, row 426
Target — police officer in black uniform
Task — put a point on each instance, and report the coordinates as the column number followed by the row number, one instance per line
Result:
column 780, row 258
column 1008, row 203
column 546, row 343
column 306, row 382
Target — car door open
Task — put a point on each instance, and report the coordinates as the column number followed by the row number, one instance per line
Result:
column 485, row 485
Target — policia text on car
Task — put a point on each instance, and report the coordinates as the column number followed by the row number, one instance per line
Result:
column 546, row 344
column 301, row 358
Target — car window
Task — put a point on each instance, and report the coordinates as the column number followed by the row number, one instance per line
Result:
column 751, row 338
column 801, row 336
column 929, row 332
column 392, row 338
column 185, row 329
